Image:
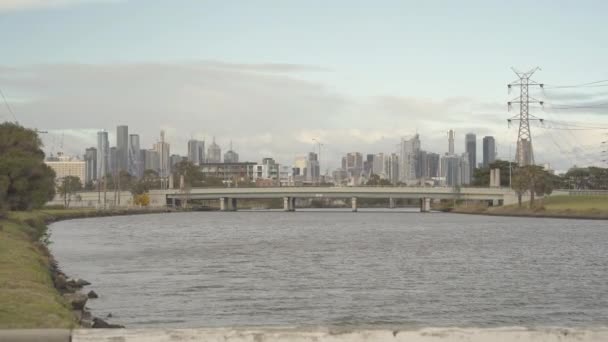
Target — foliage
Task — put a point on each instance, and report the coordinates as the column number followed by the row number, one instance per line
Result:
column 26, row 182
column 481, row 177
column 534, row 180
column 69, row 186
column 592, row 178
column 375, row 180
column 141, row 200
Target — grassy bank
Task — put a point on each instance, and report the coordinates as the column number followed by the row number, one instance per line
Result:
column 590, row 207
column 28, row 298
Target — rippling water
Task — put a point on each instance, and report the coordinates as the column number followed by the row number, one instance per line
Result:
column 372, row 269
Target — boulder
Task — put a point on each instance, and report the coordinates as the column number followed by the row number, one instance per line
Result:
column 61, row 282
column 78, row 283
column 100, row 323
column 92, row 294
column 76, row 300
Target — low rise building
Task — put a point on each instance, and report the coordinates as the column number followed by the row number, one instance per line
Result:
column 67, row 166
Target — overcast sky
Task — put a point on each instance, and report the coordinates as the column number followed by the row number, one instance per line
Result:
column 273, row 75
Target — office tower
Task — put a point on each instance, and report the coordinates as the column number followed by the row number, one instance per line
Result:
column 90, row 159
column 465, row 169
column 231, row 156
column 451, row 169
column 164, row 155
column 122, row 148
column 408, row 155
column 353, row 164
column 471, row 150
column 391, row 167
column 103, row 154
column 196, row 151
column 378, row 165
column 152, row 161
column 312, row 170
column 176, row 159
column 451, row 142
column 113, row 164
column 433, row 164
column 489, row 151
column 135, row 163
column 367, row 165
column 421, row 165
column 214, row 153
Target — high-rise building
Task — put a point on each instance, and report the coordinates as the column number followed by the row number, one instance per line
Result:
column 455, row 170
column 391, row 167
column 113, row 164
column 367, row 165
column 103, row 154
column 451, row 142
column 312, row 170
column 90, row 160
column 164, row 155
column 422, row 167
column 214, row 153
column 231, row 156
column 433, row 164
column 471, row 150
column 353, row 164
column 176, row 159
column 152, row 160
column 489, row 151
column 136, row 168
column 523, row 154
column 378, row 165
column 122, row 148
column 196, row 151
column 408, row 154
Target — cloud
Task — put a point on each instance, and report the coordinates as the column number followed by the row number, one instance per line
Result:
column 23, row 5
column 264, row 109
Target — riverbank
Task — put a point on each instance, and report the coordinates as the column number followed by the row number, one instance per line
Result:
column 570, row 207
column 28, row 297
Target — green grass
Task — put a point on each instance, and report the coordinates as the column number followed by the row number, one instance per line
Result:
column 27, row 296
column 595, row 207
column 576, row 203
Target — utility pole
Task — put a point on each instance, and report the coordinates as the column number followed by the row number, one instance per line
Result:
column 524, row 153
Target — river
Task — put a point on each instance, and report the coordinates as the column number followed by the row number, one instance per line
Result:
column 337, row 268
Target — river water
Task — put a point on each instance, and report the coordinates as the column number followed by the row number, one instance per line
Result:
column 337, row 268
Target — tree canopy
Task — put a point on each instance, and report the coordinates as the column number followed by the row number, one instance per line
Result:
column 26, row 182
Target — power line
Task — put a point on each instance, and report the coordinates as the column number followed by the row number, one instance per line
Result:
column 582, row 85
column 10, row 110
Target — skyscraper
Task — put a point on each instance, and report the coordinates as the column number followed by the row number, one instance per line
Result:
column 391, row 167
column 378, row 165
column 214, row 153
column 196, row 151
column 164, row 155
column 122, row 148
column 489, row 151
column 135, row 164
column 113, row 164
column 471, row 149
column 90, row 159
column 451, row 142
column 231, row 156
column 409, row 153
column 312, row 169
column 103, row 154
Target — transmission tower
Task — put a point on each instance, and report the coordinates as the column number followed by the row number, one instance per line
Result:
column 524, row 154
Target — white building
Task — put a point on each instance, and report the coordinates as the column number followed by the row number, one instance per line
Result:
column 408, row 156
column 66, row 166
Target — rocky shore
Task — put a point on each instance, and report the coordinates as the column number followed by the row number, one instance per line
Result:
column 72, row 290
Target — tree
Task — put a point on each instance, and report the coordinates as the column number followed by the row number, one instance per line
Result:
column 375, row 180
column 481, row 177
column 69, row 185
column 520, row 184
column 26, row 182
column 193, row 176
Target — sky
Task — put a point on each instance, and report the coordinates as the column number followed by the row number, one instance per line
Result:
column 272, row 75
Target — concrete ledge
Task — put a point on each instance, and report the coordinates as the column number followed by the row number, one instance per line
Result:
column 35, row 335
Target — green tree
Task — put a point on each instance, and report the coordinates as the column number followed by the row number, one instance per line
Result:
column 193, row 176
column 26, row 182
column 69, row 185
column 520, row 184
column 375, row 180
column 481, row 177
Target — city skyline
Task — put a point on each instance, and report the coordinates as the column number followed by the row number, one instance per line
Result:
column 351, row 86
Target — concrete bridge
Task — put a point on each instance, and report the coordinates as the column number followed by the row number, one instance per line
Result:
column 228, row 197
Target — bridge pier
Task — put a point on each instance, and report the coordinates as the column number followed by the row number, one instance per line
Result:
column 223, row 204
column 233, row 204
column 391, row 203
column 353, row 202
column 425, row 205
column 289, row 204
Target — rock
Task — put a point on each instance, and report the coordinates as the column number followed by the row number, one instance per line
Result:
column 76, row 300
column 92, row 294
column 61, row 282
column 109, row 315
column 78, row 283
column 100, row 323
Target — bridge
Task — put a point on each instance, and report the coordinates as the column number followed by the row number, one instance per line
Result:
column 228, row 197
